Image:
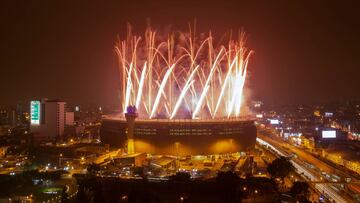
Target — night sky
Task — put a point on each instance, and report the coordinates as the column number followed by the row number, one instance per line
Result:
column 304, row 51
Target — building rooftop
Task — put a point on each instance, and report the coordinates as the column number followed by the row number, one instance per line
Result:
column 207, row 120
column 162, row 161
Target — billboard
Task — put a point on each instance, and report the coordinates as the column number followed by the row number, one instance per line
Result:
column 35, row 112
column 328, row 114
column 328, row 134
column 274, row 121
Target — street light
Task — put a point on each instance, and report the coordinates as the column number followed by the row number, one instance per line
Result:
column 255, row 192
column 60, row 156
column 124, row 197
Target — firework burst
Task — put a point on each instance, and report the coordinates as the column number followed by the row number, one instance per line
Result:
column 182, row 75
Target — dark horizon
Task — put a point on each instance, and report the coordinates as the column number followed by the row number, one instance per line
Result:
column 305, row 52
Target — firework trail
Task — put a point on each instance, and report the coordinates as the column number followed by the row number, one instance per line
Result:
column 184, row 73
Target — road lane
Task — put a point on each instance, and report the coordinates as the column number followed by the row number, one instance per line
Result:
column 309, row 175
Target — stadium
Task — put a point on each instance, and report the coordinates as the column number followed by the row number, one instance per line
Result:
column 181, row 137
column 181, row 95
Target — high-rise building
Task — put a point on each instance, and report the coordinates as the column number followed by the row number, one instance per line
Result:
column 19, row 114
column 69, row 118
column 13, row 118
column 8, row 117
column 47, row 118
column 4, row 117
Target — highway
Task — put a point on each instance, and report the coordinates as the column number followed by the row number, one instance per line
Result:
column 310, row 174
column 330, row 171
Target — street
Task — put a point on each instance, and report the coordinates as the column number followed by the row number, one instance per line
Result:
column 309, row 167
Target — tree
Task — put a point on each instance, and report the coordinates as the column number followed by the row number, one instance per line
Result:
column 139, row 171
column 228, row 177
column 93, row 168
column 98, row 193
column 227, row 184
column 64, row 196
column 300, row 190
column 280, row 168
column 89, row 190
column 81, row 196
column 181, row 177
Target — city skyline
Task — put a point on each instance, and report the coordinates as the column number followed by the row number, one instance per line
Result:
column 179, row 101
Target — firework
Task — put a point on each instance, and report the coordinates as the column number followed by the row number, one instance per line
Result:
column 165, row 78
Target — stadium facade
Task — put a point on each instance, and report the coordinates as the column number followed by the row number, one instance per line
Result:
column 180, row 137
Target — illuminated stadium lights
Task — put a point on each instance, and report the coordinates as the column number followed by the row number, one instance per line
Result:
column 183, row 74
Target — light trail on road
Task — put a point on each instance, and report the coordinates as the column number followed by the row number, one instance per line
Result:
column 324, row 188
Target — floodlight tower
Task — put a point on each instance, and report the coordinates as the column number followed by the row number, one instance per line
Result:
column 130, row 116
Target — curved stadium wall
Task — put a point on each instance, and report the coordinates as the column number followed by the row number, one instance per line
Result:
column 181, row 137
